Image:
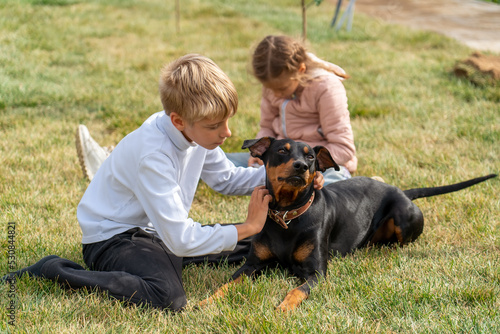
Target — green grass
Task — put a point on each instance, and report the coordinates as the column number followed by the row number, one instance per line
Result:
column 97, row 62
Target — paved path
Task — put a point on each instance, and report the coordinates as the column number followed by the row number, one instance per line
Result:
column 473, row 22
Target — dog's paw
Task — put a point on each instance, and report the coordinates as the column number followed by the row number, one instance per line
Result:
column 292, row 300
column 204, row 303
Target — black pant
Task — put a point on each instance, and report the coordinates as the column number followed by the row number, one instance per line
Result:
column 134, row 266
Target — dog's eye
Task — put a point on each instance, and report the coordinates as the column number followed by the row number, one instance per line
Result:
column 310, row 157
column 281, row 151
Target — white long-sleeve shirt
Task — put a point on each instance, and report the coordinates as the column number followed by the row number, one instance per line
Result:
column 150, row 178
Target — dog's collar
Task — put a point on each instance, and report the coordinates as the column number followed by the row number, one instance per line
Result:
column 280, row 217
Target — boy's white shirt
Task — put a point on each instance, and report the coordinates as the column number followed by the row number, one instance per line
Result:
column 149, row 181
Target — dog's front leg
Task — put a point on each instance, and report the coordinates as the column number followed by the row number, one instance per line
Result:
column 220, row 292
column 245, row 270
column 298, row 295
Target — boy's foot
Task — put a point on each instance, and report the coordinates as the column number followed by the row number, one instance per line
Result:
column 90, row 154
column 33, row 270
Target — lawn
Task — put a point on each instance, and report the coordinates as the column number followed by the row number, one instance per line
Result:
column 96, row 62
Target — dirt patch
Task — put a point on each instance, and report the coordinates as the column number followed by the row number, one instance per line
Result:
column 478, row 68
column 473, row 22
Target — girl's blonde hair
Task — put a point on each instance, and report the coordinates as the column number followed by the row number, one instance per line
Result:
column 196, row 88
column 275, row 55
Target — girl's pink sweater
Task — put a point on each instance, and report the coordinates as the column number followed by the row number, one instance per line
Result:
column 318, row 115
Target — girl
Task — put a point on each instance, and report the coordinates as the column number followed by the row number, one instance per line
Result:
column 303, row 98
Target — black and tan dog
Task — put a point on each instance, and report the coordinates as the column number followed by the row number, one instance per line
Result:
column 306, row 226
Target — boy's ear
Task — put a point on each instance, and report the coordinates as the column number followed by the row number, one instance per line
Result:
column 259, row 146
column 324, row 160
column 177, row 121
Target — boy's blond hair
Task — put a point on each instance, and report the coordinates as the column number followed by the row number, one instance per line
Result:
column 195, row 88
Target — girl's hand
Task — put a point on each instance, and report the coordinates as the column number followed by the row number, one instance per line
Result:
column 319, row 180
column 254, row 162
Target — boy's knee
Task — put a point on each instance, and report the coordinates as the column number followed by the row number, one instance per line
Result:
column 178, row 303
column 173, row 301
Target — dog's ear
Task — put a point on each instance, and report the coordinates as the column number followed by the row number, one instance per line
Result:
column 324, row 160
column 259, row 146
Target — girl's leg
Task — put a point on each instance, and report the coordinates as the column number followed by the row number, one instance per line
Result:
column 239, row 159
column 331, row 175
column 90, row 154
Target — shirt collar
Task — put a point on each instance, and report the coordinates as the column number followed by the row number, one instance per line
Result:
column 177, row 138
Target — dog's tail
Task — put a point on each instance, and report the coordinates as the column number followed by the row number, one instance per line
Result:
column 433, row 191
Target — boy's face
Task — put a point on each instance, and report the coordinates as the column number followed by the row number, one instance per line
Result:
column 207, row 133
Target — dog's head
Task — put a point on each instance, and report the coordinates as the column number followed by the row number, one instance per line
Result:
column 291, row 167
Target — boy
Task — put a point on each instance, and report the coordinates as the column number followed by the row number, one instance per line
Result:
column 134, row 214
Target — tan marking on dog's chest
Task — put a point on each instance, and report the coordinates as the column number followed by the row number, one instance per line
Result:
column 262, row 251
column 303, row 251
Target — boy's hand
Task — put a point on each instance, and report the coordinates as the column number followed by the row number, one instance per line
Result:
column 319, row 181
column 257, row 213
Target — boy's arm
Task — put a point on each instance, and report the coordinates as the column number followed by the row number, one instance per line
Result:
column 221, row 175
column 164, row 201
column 225, row 178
